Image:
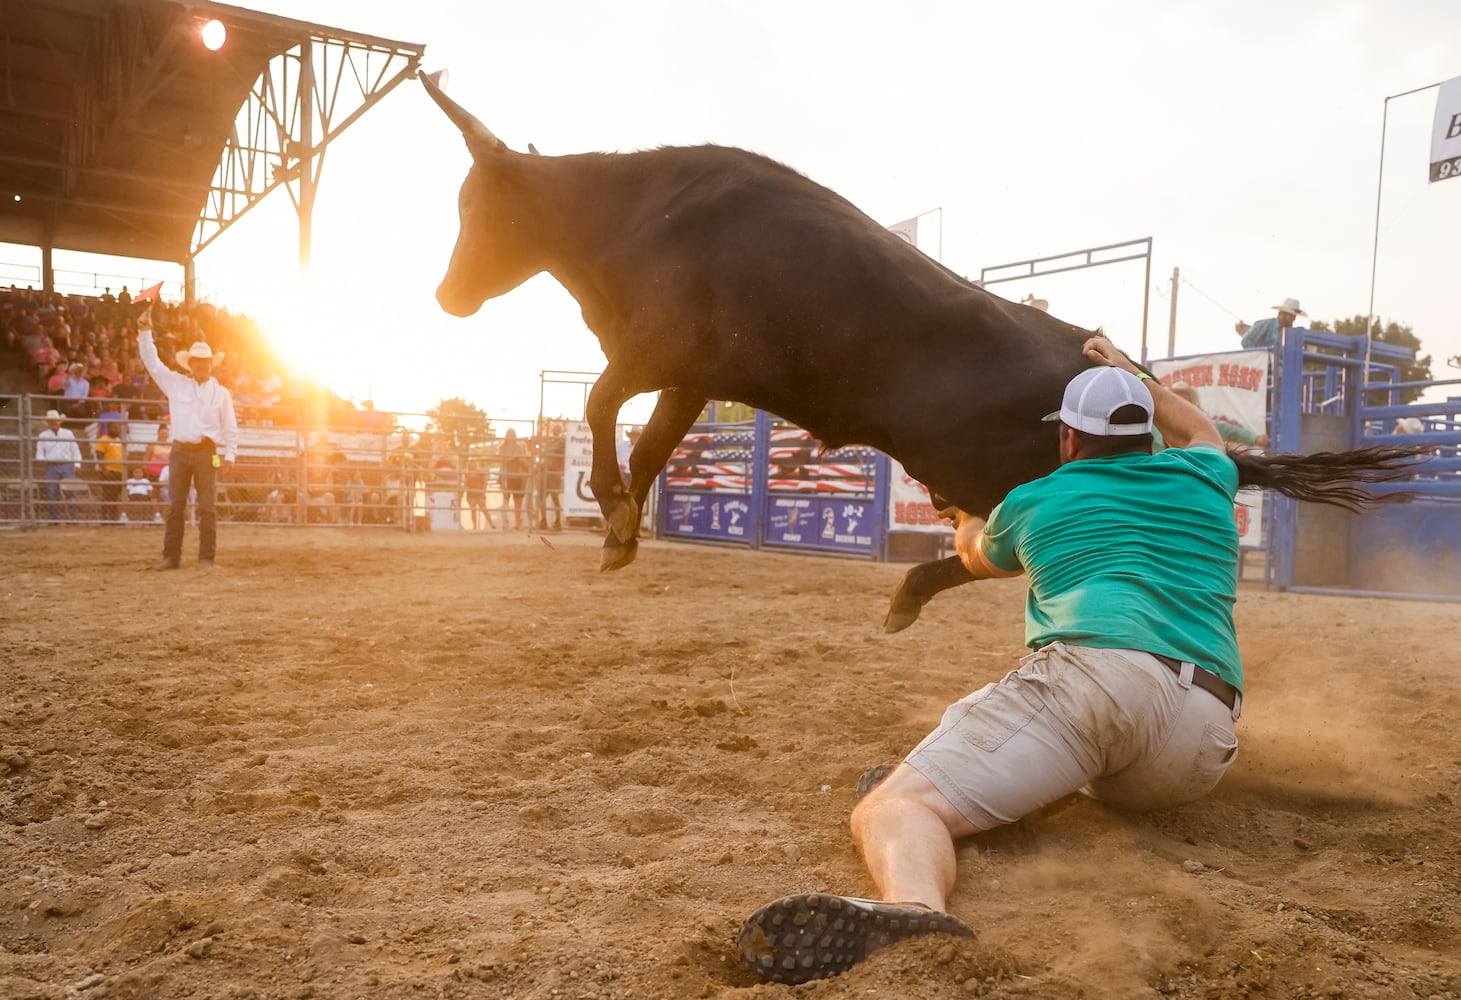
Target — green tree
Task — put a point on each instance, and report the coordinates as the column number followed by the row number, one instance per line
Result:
column 1399, row 334
column 459, row 424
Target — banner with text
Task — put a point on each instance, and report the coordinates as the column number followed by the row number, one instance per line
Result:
column 909, row 508
column 1232, row 389
column 578, row 465
column 1446, row 136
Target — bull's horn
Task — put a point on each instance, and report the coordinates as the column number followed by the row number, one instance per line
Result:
column 475, row 132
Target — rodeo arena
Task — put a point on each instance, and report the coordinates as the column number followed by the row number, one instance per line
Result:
column 409, row 740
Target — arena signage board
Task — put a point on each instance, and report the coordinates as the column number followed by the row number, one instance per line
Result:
column 1231, row 388
column 578, row 464
column 909, row 507
column 1446, row 136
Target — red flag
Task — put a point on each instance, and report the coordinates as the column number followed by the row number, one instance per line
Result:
column 149, row 294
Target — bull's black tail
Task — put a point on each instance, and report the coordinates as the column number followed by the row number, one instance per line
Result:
column 1332, row 477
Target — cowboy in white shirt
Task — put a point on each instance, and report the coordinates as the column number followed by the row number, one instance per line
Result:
column 60, row 456
column 202, row 420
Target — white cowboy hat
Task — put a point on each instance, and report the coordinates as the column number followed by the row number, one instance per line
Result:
column 1291, row 306
column 199, row 350
column 53, row 415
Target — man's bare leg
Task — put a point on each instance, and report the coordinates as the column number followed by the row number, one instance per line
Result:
column 905, row 829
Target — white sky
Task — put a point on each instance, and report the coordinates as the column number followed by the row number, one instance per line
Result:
column 1242, row 137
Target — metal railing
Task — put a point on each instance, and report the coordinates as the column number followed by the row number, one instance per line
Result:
column 297, row 465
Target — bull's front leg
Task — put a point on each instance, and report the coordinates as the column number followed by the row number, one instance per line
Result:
column 620, row 511
column 674, row 414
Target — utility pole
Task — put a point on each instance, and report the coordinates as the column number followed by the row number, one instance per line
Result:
column 1172, row 322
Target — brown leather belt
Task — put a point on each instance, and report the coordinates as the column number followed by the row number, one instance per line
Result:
column 1205, row 679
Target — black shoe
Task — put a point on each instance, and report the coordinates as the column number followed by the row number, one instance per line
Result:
column 167, row 562
column 813, row 935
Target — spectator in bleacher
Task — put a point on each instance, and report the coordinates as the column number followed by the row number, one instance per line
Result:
column 202, row 420
column 513, row 469
column 140, row 501
column 278, row 501
column 77, row 389
column 100, row 393
column 59, row 455
column 107, row 369
column 110, row 451
column 159, row 453
column 56, row 380
column 45, row 356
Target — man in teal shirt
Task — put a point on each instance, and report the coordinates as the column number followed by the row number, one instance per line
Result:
column 1131, row 693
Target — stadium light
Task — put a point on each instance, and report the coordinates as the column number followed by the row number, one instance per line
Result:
column 214, row 34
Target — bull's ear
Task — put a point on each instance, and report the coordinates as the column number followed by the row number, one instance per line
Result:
column 479, row 139
column 534, row 150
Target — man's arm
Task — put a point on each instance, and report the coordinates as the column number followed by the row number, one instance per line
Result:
column 1182, row 424
column 230, row 431
column 969, row 543
column 164, row 376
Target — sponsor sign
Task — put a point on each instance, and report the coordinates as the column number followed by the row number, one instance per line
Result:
column 827, row 523
column 1446, row 135
column 1232, row 389
column 909, row 507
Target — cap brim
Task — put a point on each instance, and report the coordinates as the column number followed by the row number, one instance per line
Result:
column 1050, row 417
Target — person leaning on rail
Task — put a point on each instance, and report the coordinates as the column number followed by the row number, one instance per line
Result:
column 202, row 418
column 1131, row 694
column 60, row 456
column 1268, row 332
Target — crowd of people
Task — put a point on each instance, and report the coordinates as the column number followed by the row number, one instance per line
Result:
column 85, row 364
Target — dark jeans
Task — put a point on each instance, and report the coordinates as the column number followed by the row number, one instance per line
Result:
column 55, row 473
column 191, row 466
column 110, row 487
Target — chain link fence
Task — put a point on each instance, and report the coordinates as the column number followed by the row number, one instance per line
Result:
column 297, row 465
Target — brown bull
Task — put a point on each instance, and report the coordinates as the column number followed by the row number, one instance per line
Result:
column 709, row 272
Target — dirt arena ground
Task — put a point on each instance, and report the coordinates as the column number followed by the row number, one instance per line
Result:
column 348, row 764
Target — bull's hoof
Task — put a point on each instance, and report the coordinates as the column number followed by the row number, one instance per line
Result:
column 624, row 521
column 617, row 554
column 903, row 610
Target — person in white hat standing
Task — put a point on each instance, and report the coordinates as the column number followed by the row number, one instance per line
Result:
column 1268, row 332
column 202, row 421
column 1131, row 694
column 59, row 455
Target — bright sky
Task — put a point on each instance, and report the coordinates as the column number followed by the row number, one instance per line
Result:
column 1243, row 137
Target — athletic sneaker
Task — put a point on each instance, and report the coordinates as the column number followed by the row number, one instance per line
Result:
column 815, row 935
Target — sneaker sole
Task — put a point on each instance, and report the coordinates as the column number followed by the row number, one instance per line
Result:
column 813, row 935
column 872, row 778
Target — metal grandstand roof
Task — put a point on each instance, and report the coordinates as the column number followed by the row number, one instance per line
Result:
column 120, row 133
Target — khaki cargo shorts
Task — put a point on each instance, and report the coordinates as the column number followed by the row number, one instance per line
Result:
column 1115, row 723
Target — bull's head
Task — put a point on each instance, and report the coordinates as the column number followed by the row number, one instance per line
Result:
column 496, row 248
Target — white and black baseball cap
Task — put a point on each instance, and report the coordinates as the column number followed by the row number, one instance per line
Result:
column 1093, row 396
